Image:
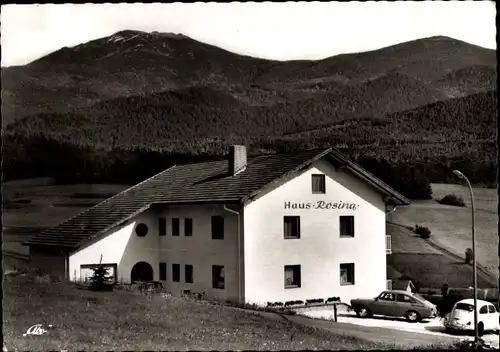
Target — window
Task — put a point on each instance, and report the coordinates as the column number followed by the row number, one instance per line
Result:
column 188, row 227
column 141, row 230
column 347, row 226
column 387, row 296
column 176, row 272
column 492, row 308
column 292, row 276
column 483, row 310
column 163, row 271
column 188, row 273
column 218, row 276
column 162, row 226
column 291, row 226
column 405, row 299
column 388, row 244
column 175, row 227
column 217, row 228
column 347, row 274
column 464, row 306
column 318, row 184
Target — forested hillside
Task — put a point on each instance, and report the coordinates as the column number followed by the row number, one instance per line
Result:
column 121, row 108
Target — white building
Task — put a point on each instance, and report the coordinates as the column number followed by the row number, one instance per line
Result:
column 277, row 228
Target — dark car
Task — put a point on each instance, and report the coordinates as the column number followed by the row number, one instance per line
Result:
column 395, row 303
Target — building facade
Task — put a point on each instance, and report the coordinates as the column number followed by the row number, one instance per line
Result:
column 272, row 228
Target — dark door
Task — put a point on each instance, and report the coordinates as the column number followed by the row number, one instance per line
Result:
column 141, row 271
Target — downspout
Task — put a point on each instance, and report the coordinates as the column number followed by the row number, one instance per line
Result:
column 239, row 250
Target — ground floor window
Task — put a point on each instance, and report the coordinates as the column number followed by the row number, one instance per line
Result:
column 347, row 274
column 218, row 276
column 86, row 271
column 163, row 271
column 188, row 273
column 292, row 276
column 176, row 272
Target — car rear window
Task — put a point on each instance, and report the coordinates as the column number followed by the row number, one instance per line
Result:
column 465, row 306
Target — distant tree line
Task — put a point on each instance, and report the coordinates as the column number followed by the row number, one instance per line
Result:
column 39, row 156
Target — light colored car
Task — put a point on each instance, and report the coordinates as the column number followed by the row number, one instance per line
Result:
column 461, row 317
column 395, row 303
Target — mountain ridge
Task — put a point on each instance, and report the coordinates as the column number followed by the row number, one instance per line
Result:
column 153, row 62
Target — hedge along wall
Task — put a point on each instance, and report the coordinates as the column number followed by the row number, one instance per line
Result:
column 486, row 294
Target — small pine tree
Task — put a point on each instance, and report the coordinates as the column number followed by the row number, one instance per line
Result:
column 99, row 277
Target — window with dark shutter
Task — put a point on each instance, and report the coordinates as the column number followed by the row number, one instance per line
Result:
column 175, row 226
column 162, row 226
column 188, row 273
column 217, row 228
column 291, row 226
column 347, row 226
column 176, row 272
column 163, row 271
column 188, row 227
column 318, row 184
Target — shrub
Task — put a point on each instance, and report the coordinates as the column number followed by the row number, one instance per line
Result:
column 312, row 301
column 452, row 199
column 332, row 299
column 468, row 255
column 424, row 232
column 444, row 290
column 100, row 280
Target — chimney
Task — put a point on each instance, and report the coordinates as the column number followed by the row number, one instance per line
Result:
column 237, row 159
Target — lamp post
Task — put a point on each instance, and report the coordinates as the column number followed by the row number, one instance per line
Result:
column 474, row 272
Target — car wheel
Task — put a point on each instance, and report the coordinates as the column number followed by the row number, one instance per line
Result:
column 363, row 312
column 412, row 316
column 480, row 329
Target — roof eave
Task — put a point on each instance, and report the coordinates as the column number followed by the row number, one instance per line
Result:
column 394, row 195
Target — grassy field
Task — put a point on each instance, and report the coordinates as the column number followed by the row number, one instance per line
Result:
column 30, row 206
column 451, row 229
column 416, row 258
column 124, row 320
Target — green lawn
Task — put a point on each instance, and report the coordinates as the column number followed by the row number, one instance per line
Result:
column 433, row 270
column 416, row 258
column 451, row 226
column 122, row 320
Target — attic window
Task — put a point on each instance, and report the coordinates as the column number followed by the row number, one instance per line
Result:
column 318, row 184
column 141, row 230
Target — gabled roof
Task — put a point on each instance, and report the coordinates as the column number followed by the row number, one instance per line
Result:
column 192, row 183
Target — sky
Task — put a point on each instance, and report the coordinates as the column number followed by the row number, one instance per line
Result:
column 281, row 31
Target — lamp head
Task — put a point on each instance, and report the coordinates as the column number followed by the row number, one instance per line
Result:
column 458, row 174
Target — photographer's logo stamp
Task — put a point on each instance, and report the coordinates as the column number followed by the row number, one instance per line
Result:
column 36, row 330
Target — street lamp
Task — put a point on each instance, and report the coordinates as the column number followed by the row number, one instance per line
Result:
column 474, row 272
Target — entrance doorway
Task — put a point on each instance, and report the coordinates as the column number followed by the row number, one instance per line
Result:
column 141, row 271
